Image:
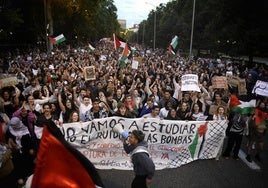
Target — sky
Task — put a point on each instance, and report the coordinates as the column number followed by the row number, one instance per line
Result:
column 134, row 11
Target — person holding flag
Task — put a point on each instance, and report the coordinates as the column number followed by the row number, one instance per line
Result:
column 239, row 111
column 124, row 56
column 72, row 170
column 258, row 126
column 173, row 45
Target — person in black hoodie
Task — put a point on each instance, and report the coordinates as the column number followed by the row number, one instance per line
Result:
column 144, row 167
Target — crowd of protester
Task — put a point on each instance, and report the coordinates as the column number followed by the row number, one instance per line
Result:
column 53, row 87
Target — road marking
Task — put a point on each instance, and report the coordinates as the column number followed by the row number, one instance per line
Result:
column 252, row 165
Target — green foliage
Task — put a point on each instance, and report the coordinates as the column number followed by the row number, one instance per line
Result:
column 106, row 22
column 79, row 20
column 231, row 27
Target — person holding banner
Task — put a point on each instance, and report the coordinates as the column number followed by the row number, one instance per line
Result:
column 218, row 116
column 143, row 165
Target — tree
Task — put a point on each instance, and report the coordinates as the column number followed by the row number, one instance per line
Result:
column 232, row 27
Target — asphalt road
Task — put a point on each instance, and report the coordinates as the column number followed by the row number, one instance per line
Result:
column 224, row 173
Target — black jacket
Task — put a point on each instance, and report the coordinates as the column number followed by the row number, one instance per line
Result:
column 142, row 163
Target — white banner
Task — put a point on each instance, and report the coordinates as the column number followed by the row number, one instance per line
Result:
column 261, row 88
column 189, row 82
column 171, row 143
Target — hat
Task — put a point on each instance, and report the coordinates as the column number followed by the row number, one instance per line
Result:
column 16, row 122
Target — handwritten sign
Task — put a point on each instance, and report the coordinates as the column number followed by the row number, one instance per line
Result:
column 232, row 81
column 189, row 82
column 219, row 82
column 171, row 143
column 261, row 88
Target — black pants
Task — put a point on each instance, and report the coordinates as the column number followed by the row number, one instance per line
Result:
column 139, row 182
column 234, row 143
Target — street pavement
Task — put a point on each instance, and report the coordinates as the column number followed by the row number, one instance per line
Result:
column 224, row 173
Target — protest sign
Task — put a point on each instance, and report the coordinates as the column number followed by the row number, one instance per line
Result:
column 89, row 73
column 189, row 82
column 232, row 81
column 219, row 82
column 139, row 59
column 171, row 143
column 261, row 88
column 135, row 64
column 242, row 87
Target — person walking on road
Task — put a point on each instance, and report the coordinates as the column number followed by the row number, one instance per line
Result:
column 144, row 167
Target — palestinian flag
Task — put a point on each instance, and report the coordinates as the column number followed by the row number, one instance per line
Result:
column 119, row 43
column 57, row 39
column 241, row 107
column 124, row 57
column 170, row 50
column 59, row 165
column 133, row 50
column 90, row 48
column 173, row 45
column 261, row 117
column 198, row 142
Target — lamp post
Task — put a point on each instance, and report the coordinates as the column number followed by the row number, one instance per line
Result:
column 46, row 25
column 143, row 28
column 143, row 33
column 154, row 21
column 192, row 30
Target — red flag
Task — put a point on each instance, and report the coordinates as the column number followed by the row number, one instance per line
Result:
column 119, row 43
column 260, row 117
column 2, row 135
column 169, row 48
column 116, row 42
column 233, row 101
column 59, row 165
column 52, row 40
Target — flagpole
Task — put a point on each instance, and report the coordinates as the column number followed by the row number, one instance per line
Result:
column 143, row 33
column 192, row 31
